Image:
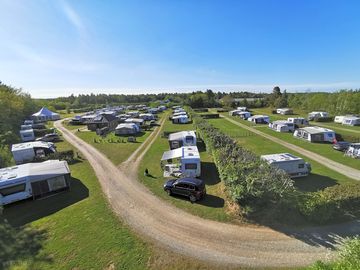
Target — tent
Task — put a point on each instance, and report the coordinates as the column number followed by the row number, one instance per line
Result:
column 45, row 115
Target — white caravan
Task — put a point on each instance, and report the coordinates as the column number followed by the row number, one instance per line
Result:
column 27, row 135
column 182, row 138
column 242, row 109
column 179, row 113
column 353, row 150
column 27, row 152
column 180, row 119
column 284, row 111
column 33, row 180
column 179, row 110
column 313, row 115
column 183, row 161
column 351, row 121
column 282, row 126
column 298, row 121
column 259, row 119
column 315, row 134
column 147, row 116
column 292, row 165
column 339, row 119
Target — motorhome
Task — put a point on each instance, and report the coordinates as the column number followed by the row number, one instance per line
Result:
column 315, row 134
column 282, row 126
column 27, row 135
column 182, row 138
column 284, row 111
column 33, row 180
column 183, row 161
column 351, row 121
column 180, row 119
column 313, row 115
column 294, row 166
column 299, row 121
column 27, row 152
column 259, row 119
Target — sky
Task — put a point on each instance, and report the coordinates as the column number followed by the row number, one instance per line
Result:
column 55, row 48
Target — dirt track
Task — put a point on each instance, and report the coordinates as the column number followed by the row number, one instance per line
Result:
column 336, row 166
column 192, row 236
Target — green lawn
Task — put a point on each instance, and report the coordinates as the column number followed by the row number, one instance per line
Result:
column 213, row 206
column 116, row 148
column 72, row 230
column 320, row 177
column 324, row 149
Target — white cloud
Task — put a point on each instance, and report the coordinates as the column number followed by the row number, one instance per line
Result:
column 73, row 17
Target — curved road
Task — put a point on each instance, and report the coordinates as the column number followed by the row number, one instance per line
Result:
column 210, row 241
column 333, row 165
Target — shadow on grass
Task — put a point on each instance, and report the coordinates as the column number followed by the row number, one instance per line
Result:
column 209, row 173
column 209, row 200
column 23, row 212
column 313, row 182
column 21, row 244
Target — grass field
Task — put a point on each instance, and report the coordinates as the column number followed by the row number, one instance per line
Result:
column 211, row 207
column 72, row 230
column 320, row 177
column 324, row 149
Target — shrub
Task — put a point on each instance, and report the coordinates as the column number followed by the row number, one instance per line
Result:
column 222, row 110
column 324, row 119
column 209, row 115
column 331, row 204
column 248, row 180
column 201, row 110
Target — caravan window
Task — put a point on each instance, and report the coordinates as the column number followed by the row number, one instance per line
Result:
column 190, row 166
column 189, row 139
column 301, row 166
column 12, row 190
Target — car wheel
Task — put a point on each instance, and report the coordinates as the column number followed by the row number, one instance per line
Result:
column 192, row 198
column 168, row 191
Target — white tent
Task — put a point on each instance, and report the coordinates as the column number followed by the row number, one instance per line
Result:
column 45, row 115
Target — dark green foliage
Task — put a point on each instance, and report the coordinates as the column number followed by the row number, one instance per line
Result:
column 349, row 257
column 331, row 204
column 323, row 119
column 209, row 115
column 248, row 180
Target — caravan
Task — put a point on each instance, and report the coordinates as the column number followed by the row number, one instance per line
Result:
column 284, row 111
column 33, row 180
column 182, row 138
column 180, row 119
column 183, row 161
column 315, row 134
column 315, row 115
column 27, row 152
column 259, row 119
column 292, row 165
column 351, row 121
column 299, row 121
column 282, row 126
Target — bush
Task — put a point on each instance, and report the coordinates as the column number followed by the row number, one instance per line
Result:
column 248, row 180
column 323, row 119
column 209, row 115
column 331, row 204
column 221, row 110
column 201, row 110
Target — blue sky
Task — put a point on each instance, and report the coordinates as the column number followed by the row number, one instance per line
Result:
column 55, row 48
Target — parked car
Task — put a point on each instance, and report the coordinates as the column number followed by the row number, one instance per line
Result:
column 341, row 146
column 189, row 187
column 52, row 137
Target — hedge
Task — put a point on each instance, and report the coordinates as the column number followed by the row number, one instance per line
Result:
column 248, row 180
column 209, row 115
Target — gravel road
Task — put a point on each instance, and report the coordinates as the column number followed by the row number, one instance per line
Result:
column 336, row 166
column 189, row 235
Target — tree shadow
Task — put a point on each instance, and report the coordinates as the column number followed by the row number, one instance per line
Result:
column 313, row 182
column 212, row 201
column 209, row 173
column 23, row 212
column 21, row 244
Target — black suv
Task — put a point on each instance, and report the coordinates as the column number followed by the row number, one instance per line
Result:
column 190, row 187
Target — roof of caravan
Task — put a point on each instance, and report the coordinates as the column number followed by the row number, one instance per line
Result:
column 30, row 145
column 127, row 125
column 134, row 120
column 180, row 116
column 181, row 134
column 316, row 130
column 184, row 152
column 179, row 113
column 351, row 117
column 317, row 112
column 284, row 109
column 279, row 157
column 302, row 118
column 285, row 122
column 259, row 116
column 42, row 170
column 146, row 114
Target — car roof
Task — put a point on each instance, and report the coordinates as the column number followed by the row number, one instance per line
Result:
column 189, row 180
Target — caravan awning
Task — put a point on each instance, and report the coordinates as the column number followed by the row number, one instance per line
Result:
column 176, row 153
